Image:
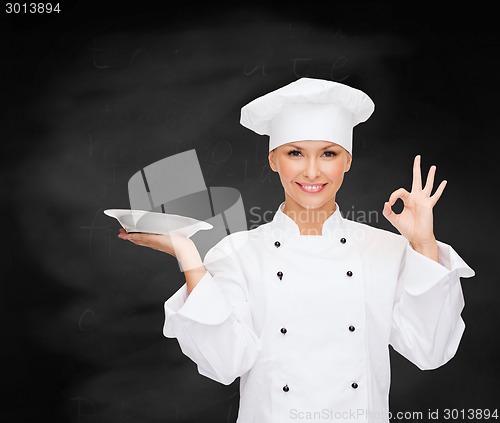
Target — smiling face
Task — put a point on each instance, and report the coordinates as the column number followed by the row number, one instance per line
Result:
column 311, row 173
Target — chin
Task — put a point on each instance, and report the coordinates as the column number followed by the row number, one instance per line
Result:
column 315, row 204
column 310, row 201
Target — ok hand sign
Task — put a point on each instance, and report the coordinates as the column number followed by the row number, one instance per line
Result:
column 415, row 222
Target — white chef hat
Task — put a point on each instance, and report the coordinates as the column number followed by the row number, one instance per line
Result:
column 308, row 109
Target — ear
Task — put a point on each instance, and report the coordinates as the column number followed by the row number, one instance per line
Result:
column 272, row 161
column 348, row 162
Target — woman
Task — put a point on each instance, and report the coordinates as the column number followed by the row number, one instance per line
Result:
column 303, row 308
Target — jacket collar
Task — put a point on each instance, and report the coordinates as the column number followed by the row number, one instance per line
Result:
column 331, row 227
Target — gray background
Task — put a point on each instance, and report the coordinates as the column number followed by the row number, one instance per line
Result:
column 96, row 93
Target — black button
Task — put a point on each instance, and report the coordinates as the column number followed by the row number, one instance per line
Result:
column 277, row 244
column 280, row 275
column 354, row 385
column 286, row 388
column 352, row 328
column 343, row 240
column 283, row 330
column 349, row 273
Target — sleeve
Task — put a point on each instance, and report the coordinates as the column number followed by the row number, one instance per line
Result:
column 213, row 325
column 427, row 326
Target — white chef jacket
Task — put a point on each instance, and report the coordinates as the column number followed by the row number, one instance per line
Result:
column 306, row 321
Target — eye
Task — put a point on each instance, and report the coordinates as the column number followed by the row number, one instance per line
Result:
column 330, row 153
column 294, row 153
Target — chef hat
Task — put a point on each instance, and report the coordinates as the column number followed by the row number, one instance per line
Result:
column 308, row 109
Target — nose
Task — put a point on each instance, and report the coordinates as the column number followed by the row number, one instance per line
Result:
column 312, row 170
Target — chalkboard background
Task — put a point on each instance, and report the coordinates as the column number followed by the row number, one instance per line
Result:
column 95, row 93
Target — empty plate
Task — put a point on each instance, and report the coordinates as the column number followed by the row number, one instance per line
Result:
column 157, row 223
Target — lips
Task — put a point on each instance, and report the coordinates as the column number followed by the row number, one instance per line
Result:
column 311, row 188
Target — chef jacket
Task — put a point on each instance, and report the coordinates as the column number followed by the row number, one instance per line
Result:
column 306, row 321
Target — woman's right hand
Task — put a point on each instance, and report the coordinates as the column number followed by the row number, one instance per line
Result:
column 172, row 244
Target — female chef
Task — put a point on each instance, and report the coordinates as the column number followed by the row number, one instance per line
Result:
column 303, row 309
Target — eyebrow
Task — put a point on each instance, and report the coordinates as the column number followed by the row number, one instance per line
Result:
column 324, row 148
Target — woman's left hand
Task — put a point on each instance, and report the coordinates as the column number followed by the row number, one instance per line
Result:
column 415, row 222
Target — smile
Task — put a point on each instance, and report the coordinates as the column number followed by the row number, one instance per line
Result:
column 311, row 188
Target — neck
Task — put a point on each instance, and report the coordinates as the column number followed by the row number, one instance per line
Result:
column 309, row 221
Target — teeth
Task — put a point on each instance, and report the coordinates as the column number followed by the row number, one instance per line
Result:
column 312, row 187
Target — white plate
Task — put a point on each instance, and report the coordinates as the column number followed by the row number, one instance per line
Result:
column 157, row 223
